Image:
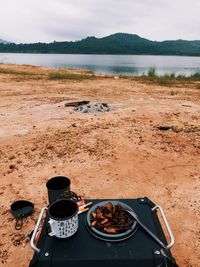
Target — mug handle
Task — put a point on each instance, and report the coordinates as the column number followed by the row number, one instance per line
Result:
column 67, row 194
column 74, row 196
column 51, row 223
column 51, row 234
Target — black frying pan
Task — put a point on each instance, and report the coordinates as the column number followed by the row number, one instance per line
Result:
column 21, row 209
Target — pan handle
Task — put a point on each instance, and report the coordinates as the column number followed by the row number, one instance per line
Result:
column 166, row 224
column 32, row 242
column 19, row 223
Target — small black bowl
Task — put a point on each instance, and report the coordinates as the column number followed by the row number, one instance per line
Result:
column 21, row 209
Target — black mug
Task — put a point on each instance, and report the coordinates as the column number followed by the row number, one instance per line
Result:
column 59, row 187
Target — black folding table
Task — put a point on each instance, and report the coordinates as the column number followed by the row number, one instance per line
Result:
column 83, row 249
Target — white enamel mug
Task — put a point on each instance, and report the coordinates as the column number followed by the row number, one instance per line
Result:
column 63, row 218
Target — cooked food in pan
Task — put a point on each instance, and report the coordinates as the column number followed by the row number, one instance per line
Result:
column 111, row 219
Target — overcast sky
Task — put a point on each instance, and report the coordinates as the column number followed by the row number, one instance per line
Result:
column 60, row 20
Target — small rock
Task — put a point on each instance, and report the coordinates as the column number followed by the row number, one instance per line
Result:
column 12, row 166
column 49, row 146
column 166, row 128
column 33, row 148
column 16, row 242
column 11, row 157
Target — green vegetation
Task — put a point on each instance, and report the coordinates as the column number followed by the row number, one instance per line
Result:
column 119, row 43
column 36, row 73
column 70, row 76
column 168, row 79
column 21, row 75
column 58, row 75
column 152, row 72
column 15, row 72
column 196, row 75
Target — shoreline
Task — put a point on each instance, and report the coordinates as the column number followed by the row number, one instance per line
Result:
column 127, row 65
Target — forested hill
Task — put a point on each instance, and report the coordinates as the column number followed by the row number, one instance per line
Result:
column 119, row 43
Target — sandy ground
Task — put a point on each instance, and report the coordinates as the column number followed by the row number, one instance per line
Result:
column 117, row 154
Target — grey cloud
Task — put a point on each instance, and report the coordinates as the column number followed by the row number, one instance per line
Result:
column 28, row 21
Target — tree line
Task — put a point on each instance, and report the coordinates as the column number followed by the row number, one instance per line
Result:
column 120, row 43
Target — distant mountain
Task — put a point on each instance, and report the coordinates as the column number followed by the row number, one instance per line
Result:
column 119, row 43
column 3, row 42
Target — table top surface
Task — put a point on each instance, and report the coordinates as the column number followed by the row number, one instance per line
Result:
column 84, row 247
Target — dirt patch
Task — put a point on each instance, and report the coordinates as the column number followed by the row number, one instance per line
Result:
column 117, row 154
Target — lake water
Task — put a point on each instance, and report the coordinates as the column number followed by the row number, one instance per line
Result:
column 111, row 64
